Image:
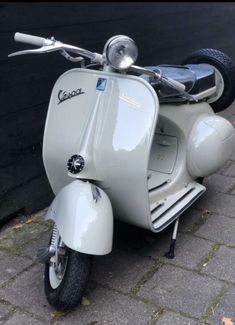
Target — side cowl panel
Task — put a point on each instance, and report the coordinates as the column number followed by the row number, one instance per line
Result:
column 84, row 217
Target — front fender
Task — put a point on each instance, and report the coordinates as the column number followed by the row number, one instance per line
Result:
column 84, row 217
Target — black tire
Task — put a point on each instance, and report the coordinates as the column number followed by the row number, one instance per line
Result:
column 71, row 289
column 225, row 66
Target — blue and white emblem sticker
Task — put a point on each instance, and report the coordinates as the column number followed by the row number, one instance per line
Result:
column 101, row 84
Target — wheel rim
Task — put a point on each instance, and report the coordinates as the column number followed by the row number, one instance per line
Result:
column 219, row 82
column 58, row 262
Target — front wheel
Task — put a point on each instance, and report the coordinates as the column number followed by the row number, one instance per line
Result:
column 66, row 275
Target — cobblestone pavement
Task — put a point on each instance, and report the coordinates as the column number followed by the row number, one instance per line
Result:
column 135, row 284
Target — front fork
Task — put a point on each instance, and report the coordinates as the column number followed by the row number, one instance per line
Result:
column 53, row 250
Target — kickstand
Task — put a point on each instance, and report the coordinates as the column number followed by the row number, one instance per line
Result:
column 171, row 253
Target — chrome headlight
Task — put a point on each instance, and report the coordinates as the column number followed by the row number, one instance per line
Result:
column 121, row 52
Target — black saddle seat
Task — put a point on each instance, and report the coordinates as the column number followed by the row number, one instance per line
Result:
column 196, row 77
column 205, row 77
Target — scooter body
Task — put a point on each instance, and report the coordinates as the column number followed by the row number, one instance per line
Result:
column 146, row 157
column 131, row 146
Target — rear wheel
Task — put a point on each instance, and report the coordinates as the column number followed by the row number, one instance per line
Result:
column 66, row 275
column 224, row 76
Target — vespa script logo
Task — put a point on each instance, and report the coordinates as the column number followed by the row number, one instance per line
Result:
column 64, row 95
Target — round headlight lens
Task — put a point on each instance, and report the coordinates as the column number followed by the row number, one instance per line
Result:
column 121, row 52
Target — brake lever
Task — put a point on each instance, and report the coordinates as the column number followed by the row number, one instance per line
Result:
column 43, row 49
column 53, row 46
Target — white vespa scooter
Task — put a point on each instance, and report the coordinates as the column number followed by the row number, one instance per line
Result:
column 109, row 149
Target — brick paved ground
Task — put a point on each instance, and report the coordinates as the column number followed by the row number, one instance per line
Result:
column 135, row 284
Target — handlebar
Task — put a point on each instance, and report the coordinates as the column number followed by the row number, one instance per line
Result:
column 29, row 39
column 50, row 45
column 47, row 45
column 171, row 82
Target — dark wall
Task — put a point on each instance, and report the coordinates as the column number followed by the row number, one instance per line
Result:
column 164, row 33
